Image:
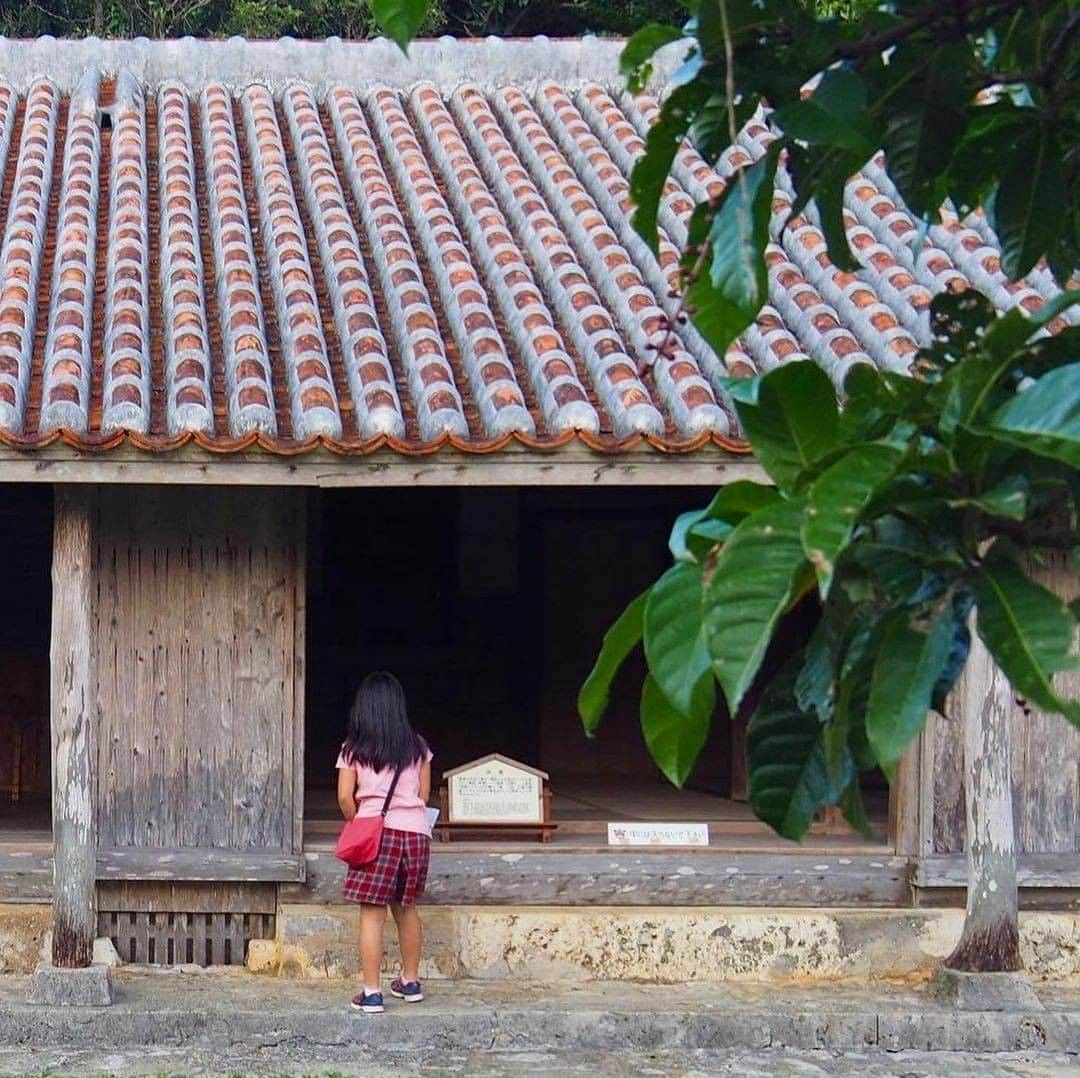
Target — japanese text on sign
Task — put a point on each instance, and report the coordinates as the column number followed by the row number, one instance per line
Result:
column 495, row 793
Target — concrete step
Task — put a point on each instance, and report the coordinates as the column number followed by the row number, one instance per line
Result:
column 235, row 1010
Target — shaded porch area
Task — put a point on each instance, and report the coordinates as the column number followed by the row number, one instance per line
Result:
column 490, row 606
column 26, row 537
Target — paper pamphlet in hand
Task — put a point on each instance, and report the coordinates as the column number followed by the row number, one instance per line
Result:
column 432, row 816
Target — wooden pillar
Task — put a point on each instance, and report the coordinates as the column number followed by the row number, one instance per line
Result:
column 990, row 939
column 905, row 800
column 71, row 705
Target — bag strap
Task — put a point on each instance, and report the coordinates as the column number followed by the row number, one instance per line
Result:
column 390, row 792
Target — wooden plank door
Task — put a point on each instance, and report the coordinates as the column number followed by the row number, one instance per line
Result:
column 200, row 612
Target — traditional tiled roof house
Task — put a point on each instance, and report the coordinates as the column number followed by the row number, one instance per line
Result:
column 234, row 275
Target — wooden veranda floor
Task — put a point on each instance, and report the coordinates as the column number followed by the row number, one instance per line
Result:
column 581, row 809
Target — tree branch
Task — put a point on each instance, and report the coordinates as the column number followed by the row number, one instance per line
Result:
column 1056, row 53
column 1043, row 76
column 1028, row 538
column 875, row 44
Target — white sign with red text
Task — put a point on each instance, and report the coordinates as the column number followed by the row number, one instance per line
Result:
column 658, row 834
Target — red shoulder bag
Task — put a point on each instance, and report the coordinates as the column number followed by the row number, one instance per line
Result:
column 358, row 843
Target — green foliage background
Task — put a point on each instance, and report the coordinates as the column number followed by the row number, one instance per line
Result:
column 323, row 18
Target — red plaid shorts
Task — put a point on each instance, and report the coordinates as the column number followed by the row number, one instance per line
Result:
column 396, row 876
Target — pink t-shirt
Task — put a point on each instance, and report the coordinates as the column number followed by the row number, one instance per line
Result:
column 407, row 811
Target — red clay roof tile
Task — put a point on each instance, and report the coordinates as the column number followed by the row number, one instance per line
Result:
column 408, row 267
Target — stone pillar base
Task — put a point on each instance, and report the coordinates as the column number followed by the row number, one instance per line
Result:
column 89, row 986
column 986, row 991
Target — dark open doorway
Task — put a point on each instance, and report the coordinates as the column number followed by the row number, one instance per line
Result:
column 490, row 605
column 26, row 555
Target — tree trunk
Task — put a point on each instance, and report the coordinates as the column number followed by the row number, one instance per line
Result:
column 990, row 941
column 72, row 684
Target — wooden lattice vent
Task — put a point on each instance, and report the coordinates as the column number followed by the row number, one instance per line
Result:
column 185, row 924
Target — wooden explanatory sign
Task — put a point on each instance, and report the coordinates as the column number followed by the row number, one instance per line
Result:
column 496, row 793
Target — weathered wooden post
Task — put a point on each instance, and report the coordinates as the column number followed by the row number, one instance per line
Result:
column 72, row 978
column 990, row 941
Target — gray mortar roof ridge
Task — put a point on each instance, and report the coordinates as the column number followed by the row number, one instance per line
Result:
column 237, row 63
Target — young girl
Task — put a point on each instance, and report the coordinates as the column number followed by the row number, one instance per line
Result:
column 379, row 742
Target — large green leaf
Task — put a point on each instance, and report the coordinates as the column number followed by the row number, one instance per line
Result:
column 835, row 500
column 759, row 572
column 400, row 20
column 980, row 380
column 675, row 738
column 924, row 119
column 835, row 114
column 814, row 684
column 619, row 641
column 734, row 283
column 740, row 231
column 1029, row 207
column 909, row 660
column 1058, row 350
column 635, row 60
column 860, row 627
column 819, row 174
column 711, row 129
column 703, row 535
column 854, row 812
column 876, row 401
column 958, row 650
column 1008, row 498
column 1045, row 417
column 675, row 643
column 977, row 380
column 988, row 140
column 794, row 422
column 839, row 135
column 661, row 144
column 900, row 560
column 854, row 704
column 680, row 543
column 735, row 501
column 790, row 780
column 696, row 532
column 829, row 199
column 1029, row 631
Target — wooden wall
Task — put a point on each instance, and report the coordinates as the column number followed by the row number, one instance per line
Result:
column 1045, row 764
column 199, row 673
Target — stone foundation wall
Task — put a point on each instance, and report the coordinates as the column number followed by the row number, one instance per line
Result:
column 23, row 931
column 659, row 944
column 671, row 944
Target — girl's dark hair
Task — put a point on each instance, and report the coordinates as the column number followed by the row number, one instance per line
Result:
column 379, row 734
